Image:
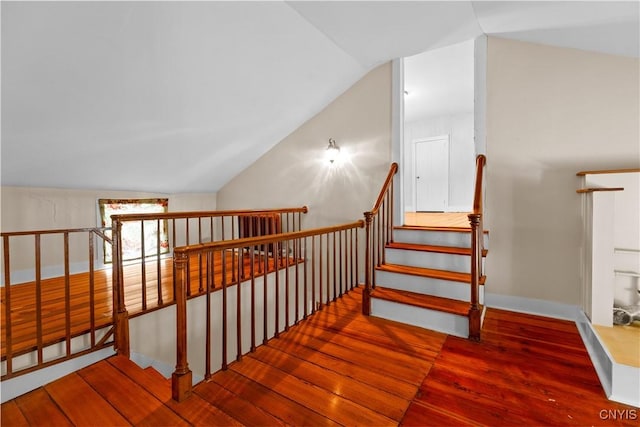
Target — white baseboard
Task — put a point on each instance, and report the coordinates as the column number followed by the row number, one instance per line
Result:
column 538, row 307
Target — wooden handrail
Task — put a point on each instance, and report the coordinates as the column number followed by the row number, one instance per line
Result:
column 233, row 225
column 201, row 214
column 476, row 221
column 606, row 171
column 344, row 275
column 378, row 233
column 42, row 343
column 385, row 187
column 262, row 240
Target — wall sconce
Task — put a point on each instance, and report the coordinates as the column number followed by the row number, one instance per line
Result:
column 333, row 151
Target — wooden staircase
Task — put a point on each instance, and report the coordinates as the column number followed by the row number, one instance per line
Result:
column 424, row 279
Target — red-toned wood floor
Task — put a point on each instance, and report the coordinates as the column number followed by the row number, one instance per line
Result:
column 339, row 367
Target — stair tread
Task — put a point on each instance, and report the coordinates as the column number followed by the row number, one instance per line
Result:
column 195, row 410
column 429, row 272
column 433, row 248
column 431, row 302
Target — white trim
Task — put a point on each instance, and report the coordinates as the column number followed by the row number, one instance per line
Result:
column 397, row 136
column 621, row 383
column 480, row 94
column 538, row 307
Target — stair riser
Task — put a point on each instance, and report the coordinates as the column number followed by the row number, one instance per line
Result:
column 436, row 238
column 448, row 323
column 434, row 260
column 426, row 285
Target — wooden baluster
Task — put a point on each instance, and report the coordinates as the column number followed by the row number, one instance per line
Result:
column 265, row 336
column 200, row 269
column 92, row 296
column 390, row 239
column 296, row 258
column 143, row 267
column 313, row 274
column 239, row 311
column 38, row 298
column 67, row 296
column 286, row 285
column 188, row 260
column 181, row 378
column 320, row 267
column 340, row 272
column 158, row 266
column 224, row 310
column 277, row 302
column 233, row 251
column 173, row 246
column 328, row 272
column 305, row 298
column 366, row 293
column 253, row 297
column 8, row 344
column 207, row 339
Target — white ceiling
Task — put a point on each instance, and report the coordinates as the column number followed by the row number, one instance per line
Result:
column 182, row 96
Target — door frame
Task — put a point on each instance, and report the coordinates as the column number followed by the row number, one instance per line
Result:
column 414, row 169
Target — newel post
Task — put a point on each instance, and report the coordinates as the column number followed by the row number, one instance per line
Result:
column 120, row 313
column 366, row 293
column 476, row 260
column 181, row 378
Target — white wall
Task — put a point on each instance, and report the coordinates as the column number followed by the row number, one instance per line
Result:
column 459, row 127
column 28, row 208
column 295, row 173
column 551, row 112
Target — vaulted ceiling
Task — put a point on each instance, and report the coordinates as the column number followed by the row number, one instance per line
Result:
column 181, row 96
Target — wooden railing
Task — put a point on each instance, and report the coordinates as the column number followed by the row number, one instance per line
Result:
column 378, row 233
column 185, row 228
column 477, row 248
column 305, row 271
column 59, row 269
column 26, row 328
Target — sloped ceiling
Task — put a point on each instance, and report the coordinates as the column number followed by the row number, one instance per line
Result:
column 179, row 97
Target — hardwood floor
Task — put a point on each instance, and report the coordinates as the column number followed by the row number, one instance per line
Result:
column 139, row 296
column 437, row 219
column 339, row 367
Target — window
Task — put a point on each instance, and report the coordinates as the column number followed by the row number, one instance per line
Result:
column 132, row 230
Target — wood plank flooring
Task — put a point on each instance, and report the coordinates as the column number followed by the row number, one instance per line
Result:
column 437, row 219
column 139, row 296
column 339, row 367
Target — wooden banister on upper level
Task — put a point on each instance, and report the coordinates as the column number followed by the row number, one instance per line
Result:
column 476, row 221
column 378, row 232
column 41, row 265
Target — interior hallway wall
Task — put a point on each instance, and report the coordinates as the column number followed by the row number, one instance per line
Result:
column 551, row 112
column 296, row 173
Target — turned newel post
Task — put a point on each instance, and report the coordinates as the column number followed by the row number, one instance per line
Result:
column 366, row 293
column 181, row 378
column 120, row 314
column 476, row 260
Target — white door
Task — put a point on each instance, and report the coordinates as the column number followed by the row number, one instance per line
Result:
column 432, row 174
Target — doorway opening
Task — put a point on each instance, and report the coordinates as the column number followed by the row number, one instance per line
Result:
column 438, row 147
